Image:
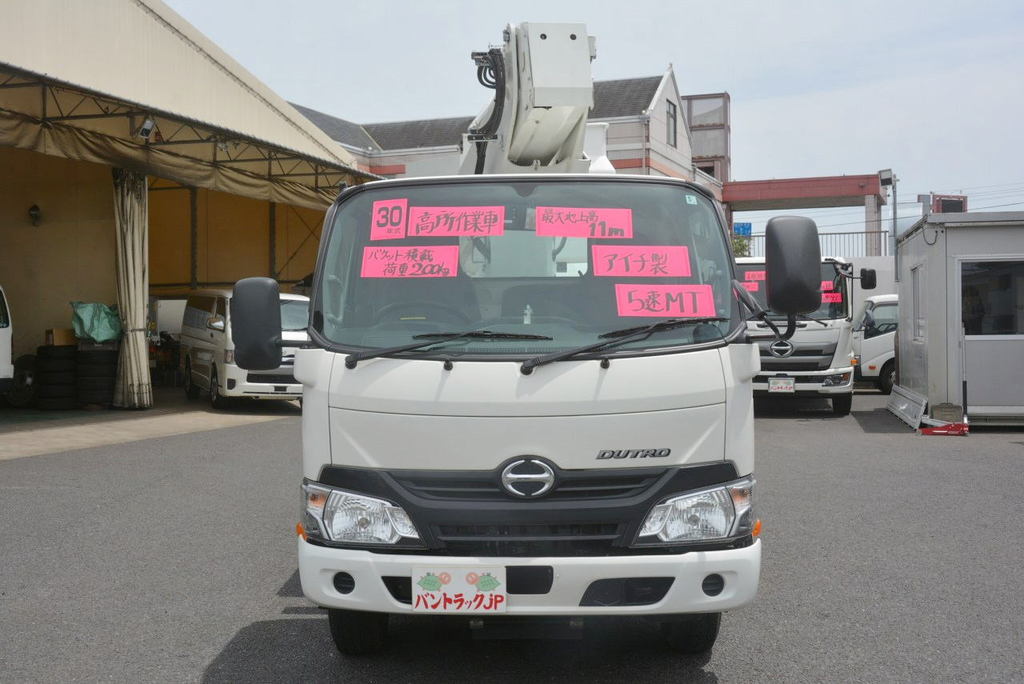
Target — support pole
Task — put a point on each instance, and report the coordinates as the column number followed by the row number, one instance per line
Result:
column 193, row 227
column 272, row 252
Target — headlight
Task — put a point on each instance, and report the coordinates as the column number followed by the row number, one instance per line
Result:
column 707, row 515
column 335, row 515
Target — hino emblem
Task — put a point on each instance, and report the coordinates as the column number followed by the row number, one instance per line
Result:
column 781, row 348
column 527, row 478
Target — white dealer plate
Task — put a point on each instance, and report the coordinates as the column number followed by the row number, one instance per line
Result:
column 786, row 385
column 459, row 589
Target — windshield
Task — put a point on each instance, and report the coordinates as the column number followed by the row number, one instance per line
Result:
column 567, row 260
column 294, row 314
column 834, row 294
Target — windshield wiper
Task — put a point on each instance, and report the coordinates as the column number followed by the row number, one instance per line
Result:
column 437, row 338
column 621, row 336
column 812, row 318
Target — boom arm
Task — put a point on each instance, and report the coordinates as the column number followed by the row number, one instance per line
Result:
column 543, row 91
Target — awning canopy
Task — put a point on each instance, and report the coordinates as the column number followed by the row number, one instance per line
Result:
column 131, row 84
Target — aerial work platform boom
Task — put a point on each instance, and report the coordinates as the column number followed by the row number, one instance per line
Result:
column 543, row 92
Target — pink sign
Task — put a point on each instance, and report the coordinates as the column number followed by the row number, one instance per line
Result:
column 682, row 301
column 388, row 222
column 827, row 285
column 641, row 260
column 441, row 261
column 456, row 221
column 584, row 222
column 752, row 286
column 831, row 297
column 754, row 275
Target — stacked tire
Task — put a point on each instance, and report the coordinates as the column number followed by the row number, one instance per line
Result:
column 55, row 375
column 96, row 373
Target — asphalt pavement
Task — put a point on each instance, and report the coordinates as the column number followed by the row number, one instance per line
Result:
column 888, row 556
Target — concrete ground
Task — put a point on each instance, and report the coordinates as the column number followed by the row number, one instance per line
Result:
column 888, row 557
column 30, row 432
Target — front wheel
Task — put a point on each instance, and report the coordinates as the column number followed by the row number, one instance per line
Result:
column 191, row 390
column 841, row 404
column 692, row 634
column 887, row 378
column 357, row 632
column 217, row 400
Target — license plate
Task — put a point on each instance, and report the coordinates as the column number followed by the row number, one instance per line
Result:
column 470, row 589
column 786, row 385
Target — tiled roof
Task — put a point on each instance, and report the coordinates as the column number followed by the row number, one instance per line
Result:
column 400, row 135
column 624, row 97
column 345, row 132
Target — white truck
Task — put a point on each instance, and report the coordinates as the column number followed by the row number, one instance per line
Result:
column 818, row 360
column 527, row 396
column 874, row 341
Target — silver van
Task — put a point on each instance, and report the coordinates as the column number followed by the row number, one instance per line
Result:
column 208, row 352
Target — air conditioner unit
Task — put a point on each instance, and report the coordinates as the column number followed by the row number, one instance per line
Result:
column 947, row 204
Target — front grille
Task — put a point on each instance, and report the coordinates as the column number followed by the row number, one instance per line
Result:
column 271, row 378
column 571, row 486
column 803, row 358
column 528, row 540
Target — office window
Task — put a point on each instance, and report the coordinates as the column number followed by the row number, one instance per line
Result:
column 917, row 312
column 670, row 113
column 992, row 297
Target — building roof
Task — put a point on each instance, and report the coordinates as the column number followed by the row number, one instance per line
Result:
column 210, row 123
column 345, row 132
column 623, row 97
column 401, row 135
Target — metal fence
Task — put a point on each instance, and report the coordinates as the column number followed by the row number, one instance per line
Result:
column 855, row 244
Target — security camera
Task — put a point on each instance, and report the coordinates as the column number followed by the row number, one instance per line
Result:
column 146, row 129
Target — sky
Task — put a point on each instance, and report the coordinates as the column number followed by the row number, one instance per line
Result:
column 931, row 89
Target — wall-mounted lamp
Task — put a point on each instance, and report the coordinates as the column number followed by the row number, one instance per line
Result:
column 146, row 129
column 34, row 214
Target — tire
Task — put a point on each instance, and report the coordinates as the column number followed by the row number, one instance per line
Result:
column 692, row 634
column 887, row 377
column 57, row 404
column 56, row 392
column 49, row 378
column 95, row 384
column 841, row 404
column 357, row 632
column 191, row 391
column 217, row 400
column 98, row 356
column 23, row 388
column 96, row 370
column 101, row 398
column 64, row 351
column 56, row 366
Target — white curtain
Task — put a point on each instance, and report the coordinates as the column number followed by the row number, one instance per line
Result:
column 131, row 217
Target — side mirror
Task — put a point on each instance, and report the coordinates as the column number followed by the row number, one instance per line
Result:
column 793, row 265
column 868, row 279
column 215, row 323
column 256, row 323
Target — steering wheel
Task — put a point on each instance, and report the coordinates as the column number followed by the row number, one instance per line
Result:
column 416, row 308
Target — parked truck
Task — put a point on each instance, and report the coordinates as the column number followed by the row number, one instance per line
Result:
column 818, row 360
column 527, row 392
column 874, row 341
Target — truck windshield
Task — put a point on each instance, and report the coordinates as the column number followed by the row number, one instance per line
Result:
column 294, row 314
column 558, row 262
column 834, row 294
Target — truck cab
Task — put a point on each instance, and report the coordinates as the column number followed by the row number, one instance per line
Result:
column 874, row 337
column 525, row 396
column 818, row 360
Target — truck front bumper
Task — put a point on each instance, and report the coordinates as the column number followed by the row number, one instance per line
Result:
column 739, row 568
column 824, row 383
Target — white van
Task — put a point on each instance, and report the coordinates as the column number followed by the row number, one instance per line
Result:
column 874, row 338
column 208, row 352
column 6, row 337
